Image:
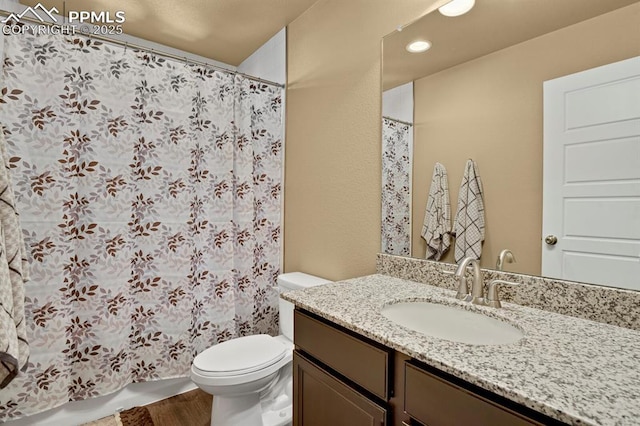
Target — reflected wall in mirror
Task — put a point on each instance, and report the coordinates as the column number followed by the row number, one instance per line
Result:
column 478, row 93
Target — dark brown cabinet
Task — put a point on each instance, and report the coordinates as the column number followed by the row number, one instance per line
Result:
column 323, row 400
column 436, row 402
column 339, row 377
column 362, row 362
column 342, row 378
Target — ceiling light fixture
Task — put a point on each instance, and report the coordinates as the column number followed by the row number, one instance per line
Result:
column 418, row 46
column 457, row 7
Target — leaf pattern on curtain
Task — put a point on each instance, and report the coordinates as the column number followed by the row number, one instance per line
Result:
column 396, row 184
column 150, row 195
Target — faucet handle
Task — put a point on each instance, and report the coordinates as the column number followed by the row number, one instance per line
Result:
column 493, row 299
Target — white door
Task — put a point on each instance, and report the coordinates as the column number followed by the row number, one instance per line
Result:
column 591, row 197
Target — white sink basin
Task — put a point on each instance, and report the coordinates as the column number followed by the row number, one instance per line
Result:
column 451, row 323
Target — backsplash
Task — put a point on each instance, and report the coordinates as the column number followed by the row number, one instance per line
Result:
column 603, row 304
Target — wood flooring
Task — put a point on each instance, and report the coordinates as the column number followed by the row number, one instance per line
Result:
column 188, row 409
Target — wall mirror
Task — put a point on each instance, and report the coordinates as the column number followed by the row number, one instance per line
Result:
column 478, row 93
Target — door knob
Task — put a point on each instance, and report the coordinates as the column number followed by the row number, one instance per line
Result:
column 551, row 240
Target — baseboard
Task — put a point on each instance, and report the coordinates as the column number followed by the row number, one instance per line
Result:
column 79, row 412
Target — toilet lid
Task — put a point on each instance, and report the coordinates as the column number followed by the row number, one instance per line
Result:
column 241, row 355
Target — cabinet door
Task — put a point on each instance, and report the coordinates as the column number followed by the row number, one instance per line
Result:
column 321, row 400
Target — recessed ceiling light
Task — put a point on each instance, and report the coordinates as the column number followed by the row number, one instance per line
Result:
column 418, row 46
column 457, row 7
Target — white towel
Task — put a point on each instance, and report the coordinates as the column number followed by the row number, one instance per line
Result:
column 436, row 227
column 468, row 226
column 14, row 349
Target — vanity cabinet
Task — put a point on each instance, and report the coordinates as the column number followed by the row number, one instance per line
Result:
column 339, row 378
column 343, row 378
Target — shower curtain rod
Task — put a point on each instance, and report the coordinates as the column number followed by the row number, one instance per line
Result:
column 398, row 121
column 168, row 55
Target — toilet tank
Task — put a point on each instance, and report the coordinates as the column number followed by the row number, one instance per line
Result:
column 289, row 282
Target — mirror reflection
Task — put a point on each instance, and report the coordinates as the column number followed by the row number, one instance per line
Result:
column 477, row 93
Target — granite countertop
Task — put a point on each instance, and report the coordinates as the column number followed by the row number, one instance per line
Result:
column 574, row 370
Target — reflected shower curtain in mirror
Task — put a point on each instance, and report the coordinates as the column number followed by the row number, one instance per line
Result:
column 150, row 194
column 396, row 184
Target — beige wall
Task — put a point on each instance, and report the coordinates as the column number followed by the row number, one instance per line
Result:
column 490, row 110
column 332, row 165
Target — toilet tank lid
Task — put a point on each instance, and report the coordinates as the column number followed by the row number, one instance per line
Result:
column 298, row 280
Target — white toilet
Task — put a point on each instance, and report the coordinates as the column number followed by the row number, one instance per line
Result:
column 251, row 378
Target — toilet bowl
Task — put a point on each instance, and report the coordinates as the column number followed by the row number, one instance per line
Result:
column 251, row 377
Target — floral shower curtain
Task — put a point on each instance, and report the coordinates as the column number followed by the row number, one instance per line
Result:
column 396, row 184
column 150, row 195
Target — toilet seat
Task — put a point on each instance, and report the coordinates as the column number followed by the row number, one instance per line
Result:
column 240, row 360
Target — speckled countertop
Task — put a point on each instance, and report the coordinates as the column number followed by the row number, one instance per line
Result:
column 575, row 370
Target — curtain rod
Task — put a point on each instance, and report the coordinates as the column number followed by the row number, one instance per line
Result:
column 398, row 121
column 168, row 55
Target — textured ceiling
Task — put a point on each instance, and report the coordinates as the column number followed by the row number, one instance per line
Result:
column 490, row 26
column 224, row 30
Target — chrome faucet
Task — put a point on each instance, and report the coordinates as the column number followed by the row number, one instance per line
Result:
column 476, row 287
column 507, row 255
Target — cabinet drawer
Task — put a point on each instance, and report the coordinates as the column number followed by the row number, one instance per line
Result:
column 436, row 402
column 322, row 400
column 359, row 361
